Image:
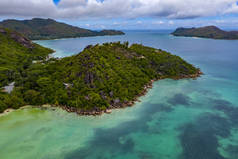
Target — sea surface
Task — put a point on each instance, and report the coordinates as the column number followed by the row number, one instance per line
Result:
column 177, row 119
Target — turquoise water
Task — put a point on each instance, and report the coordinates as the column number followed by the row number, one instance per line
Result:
column 177, row 119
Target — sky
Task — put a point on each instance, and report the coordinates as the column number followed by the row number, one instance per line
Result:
column 127, row 14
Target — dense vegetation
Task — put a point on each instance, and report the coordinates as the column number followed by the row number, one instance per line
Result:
column 17, row 54
column 42, row 29
column 206, row 32
column 100, row 77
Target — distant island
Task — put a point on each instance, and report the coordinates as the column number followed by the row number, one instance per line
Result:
column 212, row 32
column 46, row 29
column 100, row 78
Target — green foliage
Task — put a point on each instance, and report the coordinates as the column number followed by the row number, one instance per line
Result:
column 98, row 77
column 43, row 29
column 17, row 54
column 206, row 32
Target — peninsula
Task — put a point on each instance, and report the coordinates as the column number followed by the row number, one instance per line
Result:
column 212, row 32
column 46, row 29
column 100, row 78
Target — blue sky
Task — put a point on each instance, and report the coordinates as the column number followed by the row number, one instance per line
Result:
column 56, row 1
column 127, row 14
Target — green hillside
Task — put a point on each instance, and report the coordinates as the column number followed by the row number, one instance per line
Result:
column 16, row 54
column 43, row 29
column 101, row 77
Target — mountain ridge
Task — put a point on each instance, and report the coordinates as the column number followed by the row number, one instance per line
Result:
column 46, row 29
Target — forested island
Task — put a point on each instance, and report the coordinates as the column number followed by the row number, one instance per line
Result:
column 212, row 32
column 100, row 78
column 46, row 29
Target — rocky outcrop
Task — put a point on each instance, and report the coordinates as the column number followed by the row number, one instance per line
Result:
column 3, row 31
column 22, row 40
column 117, row 104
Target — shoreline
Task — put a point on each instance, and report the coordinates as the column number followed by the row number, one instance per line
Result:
column 131, row 103
column 207, row 38
column 6, row 112
column 9, row 110
column 109, row 110
column 77, row 37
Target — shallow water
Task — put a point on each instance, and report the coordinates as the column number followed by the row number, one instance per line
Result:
column 177, row 119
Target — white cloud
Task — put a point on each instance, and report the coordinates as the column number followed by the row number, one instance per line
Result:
column 171, row 22
column 31, row 8
column 158, row 22
column 220, row 21
column 232, row 9
column 174, row 9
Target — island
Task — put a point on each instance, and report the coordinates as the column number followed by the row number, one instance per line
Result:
column 98, row 79
column 212, row 32
column 46, row 29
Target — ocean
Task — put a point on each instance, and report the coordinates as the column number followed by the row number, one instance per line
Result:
column 177, row 119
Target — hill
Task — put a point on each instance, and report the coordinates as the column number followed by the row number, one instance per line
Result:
column 100, row 78
column 212, row 32
column 16, row 54
column 43, row 29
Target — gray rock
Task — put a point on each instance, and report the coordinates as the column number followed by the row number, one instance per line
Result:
column 9, row 88
column 111, row 94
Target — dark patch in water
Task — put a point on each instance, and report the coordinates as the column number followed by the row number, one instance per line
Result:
column 232, row 151
column 42, row 131
column 199, row 139
column 105, row 142
column 154, row 108
column 210, row 93
column 220, row 102
column 179, row 99
column 108, row 143
column 230, row 110
column 143, row 155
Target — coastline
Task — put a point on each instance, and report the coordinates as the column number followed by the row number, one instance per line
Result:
column 131, row 103
column 7, row 111
column 109, row 110
column 200, row 37
column 73, row 37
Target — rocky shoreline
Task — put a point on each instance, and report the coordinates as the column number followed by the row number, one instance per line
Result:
column 148, row 86
column 97, row 112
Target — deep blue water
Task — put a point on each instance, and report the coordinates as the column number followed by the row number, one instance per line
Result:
column 177, row 119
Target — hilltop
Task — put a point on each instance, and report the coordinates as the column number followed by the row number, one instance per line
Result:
column 100, row 78
column 212, row 32
column 45, row 29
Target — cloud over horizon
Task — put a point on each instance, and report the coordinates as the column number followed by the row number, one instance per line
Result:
column 81, row 9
